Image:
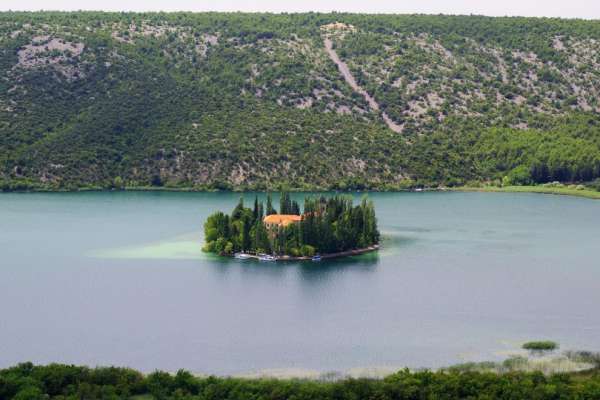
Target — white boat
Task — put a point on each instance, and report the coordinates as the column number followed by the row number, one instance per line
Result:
column 316, row 258
column 266, row 257
column 242, row 256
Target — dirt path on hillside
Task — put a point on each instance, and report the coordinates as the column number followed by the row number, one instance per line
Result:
column 349, row 78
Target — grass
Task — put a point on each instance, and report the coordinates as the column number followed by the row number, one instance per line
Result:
column 546, row 365
column 545, row 189
column 557, row 189
column 541, row 345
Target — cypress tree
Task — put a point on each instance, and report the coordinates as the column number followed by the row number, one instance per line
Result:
column 238, row 210
column 295, row 208
column 270, row 209
column 246, row 241
column 285, row 204
column 255, row 209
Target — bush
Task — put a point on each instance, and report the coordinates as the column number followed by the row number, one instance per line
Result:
column 118, row 183
column 29, row 393
column 307, row 250
column 519, row 176
column 542, row 345
column 595, row 185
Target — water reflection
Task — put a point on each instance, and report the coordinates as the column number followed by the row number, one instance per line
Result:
column 306, row 270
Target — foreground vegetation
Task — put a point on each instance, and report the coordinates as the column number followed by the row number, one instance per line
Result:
column 56, row 381
column 214, row 101
column 325, row 225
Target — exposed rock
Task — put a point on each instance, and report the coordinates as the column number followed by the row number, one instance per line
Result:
column 338, row 26
column 558, row 44
column 44, row 50
column 304, row 103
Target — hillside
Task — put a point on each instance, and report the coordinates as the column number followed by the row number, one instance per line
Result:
column 258, row 101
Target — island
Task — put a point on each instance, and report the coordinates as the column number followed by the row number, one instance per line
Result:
column 326, row 227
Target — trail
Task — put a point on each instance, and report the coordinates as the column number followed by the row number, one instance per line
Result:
column 349, row 78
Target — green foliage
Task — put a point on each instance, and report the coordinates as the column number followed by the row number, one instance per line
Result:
column 270, row 209
column 538, row 157
column 118, row 183
column 520, row 175
column 307, row 250
column 540, row 345
column 222, row 101
column 595, row 184
column 55, row 381
column 287, row 205
column 328, row 225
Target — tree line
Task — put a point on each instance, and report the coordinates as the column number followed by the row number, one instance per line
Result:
column 70, row 382
column 327, row 225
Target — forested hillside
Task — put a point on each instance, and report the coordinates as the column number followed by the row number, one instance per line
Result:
column 303, row 101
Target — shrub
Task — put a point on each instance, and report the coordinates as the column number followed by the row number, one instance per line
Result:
column 595, row 185
column 118, row 183
column 541, row 345
column 307, row 250
column 519, row 176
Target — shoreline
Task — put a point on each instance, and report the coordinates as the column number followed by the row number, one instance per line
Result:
column 563, row 191
column 329, row 256
column 559, row 191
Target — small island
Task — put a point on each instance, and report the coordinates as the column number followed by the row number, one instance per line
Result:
column 324, row 228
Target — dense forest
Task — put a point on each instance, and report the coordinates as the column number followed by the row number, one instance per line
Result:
column 66, row 382
column 325, row 225
column 261, row 101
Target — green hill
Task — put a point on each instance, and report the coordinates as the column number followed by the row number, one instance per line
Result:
column 256, row 101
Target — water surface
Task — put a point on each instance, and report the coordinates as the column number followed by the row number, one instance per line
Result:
column 119, row 279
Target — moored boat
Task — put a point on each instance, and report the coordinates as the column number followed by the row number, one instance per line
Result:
column 242, row 256
column 266, row 257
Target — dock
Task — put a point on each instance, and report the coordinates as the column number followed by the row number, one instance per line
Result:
column 347, row 253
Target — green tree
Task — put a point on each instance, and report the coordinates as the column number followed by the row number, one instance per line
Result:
column 118, row 183
column 270, row 210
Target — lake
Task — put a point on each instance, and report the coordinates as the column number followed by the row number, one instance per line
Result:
column 119, row 279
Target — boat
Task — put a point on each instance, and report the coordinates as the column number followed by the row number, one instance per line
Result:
column 316, row 258
column 242, row 256
column 266, row 257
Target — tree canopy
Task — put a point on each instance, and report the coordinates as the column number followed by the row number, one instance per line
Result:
column 66, row 382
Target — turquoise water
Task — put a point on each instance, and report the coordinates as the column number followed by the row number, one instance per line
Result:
column 119, row 279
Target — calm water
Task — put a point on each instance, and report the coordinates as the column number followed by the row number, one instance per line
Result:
column 118, row 278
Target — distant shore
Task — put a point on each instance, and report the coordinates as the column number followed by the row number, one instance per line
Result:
column 562, row 191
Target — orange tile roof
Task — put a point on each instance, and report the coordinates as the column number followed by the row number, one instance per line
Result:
column 281, row 219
